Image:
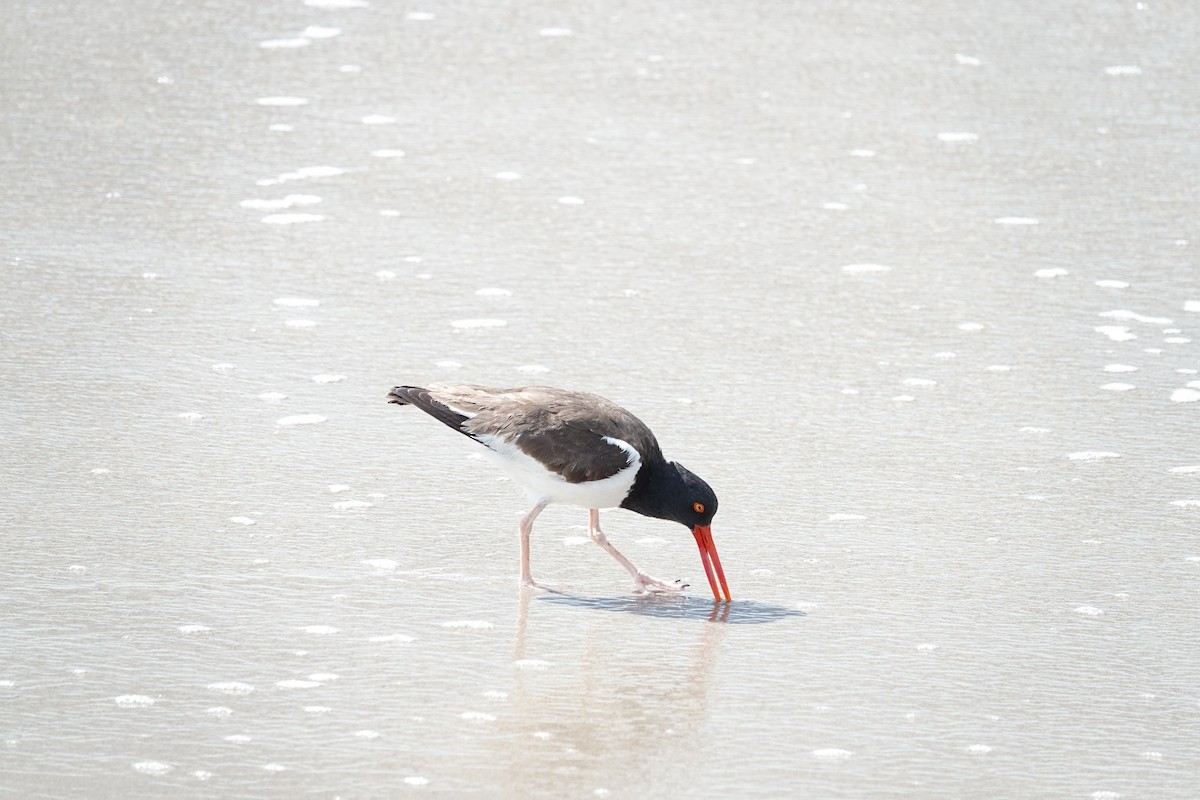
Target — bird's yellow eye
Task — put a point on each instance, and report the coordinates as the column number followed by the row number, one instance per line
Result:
column 698, row 507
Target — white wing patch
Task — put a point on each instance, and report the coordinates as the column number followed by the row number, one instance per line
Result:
column 542, row 484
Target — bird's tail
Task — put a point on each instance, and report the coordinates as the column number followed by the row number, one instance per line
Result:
column 403, row 395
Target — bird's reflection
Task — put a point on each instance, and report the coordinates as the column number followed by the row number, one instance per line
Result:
column 740, row 612
column 613, row 690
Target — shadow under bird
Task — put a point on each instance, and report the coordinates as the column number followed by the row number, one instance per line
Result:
column 571, row 447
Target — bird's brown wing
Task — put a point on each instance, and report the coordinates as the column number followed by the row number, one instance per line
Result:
column 564, row 430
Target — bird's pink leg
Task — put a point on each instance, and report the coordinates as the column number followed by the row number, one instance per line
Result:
column 526, row 529
column 642, row 581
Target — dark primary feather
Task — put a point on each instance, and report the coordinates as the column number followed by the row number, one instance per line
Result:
column 561, row 428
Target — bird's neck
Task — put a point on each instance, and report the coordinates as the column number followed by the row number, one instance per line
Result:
column 656, row 486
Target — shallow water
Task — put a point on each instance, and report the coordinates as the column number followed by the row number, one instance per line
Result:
column 914, row 289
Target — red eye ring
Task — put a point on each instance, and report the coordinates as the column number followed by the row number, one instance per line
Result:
column 698, row 508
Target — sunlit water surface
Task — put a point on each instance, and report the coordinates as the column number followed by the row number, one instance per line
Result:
column 915, row 289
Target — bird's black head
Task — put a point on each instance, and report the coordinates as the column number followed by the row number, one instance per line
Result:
column 697, row 502
column 673, row 492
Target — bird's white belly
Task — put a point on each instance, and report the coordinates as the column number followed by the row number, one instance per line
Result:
column 542, row 484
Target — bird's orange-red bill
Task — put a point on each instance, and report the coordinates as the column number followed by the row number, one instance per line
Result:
column 710, row 559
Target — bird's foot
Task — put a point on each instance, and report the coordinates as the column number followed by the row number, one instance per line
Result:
column 648, row 584
column 540, row 586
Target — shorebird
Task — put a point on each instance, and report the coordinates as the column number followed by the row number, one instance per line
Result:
column 564, row 446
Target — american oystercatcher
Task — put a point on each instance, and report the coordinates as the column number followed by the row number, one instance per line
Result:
column 571, row 447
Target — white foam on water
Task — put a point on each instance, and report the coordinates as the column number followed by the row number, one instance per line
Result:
column 862, row 153
column 134, row 701
column 1132, row 316
column 152, row 767
column 416, row 780
column 281, row 126
column 1105, row 795
column 280, row 44
column 570, row 200
column 296, row 683
column 957, row 136
column 532, row 664
column 543, row 735
column 237, row 738
column 1123, row 69
column 234, row 688
column 241, row 520
column 291, row 219
column 1118, row 387
column 448, row 364
column 999, row 368
column 386, row 564
column 101, row 470
column 273, row 767
column 1152, row 755
column 1118, row 333
column 1051, row 272
column 387, row 153
column 378, row 119
column 1186, row 503
column 1191, row 305
column 328, row 378
column 850, row 391
column 272, row 397
column 970, row 327
column 945, row 354
column 573, row 541
column 301, row 323
column 297, row 302
column 860, row 268
column 919, row 382
column 320, row 32
column 1120, row 368
column 843, row 517
column 282, row 101
column 1186, row 371
column 190, row 629
column 366, row 734
column 389, row 212
column 300, row 419
column 535, row 369
column 1185, row 396
column 202, row 774
column 507, row 176
column 290, row 201
column 493, row 292
column 350, row 69
column 352, row 505
column 476, row 624
column 479, row 323
column 1092, row 455
column 926, row 648
column 967, row 61
column 317, row 709
column 337, row 3
column 223, row 368
column 1111, row 284
column 835, row 206
column 420, row 16
column 1185, row 470
column 1176, row 340
column 831, row 754
column 219, row 711
column 318, row 630
column 978, row 749
column 324, row 677
column 478, row 716
column 555, row 32
column 385, row 275
column 385, row 638
column 1089, row 611
column 1016, row 221
column 903, row 398
column 495, row 695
